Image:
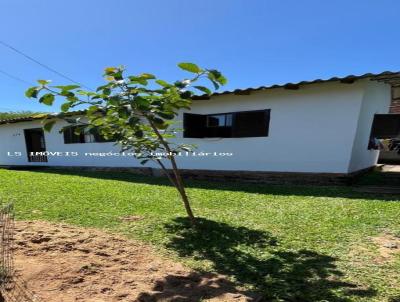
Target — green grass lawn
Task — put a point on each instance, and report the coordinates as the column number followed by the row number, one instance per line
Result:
column 290, row 243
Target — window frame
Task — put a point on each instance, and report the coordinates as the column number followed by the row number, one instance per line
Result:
column 70, row 131
column 233, row 121
column 82, row 136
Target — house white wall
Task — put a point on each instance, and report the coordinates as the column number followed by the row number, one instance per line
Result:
column 311, row 130
column 12, row 140
column 376, row 99
column 318, row 128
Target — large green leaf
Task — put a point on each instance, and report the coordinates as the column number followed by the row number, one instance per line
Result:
column 107, row 91
column 32, row 92
column 190, row 67
column 67, row 87
column 102, row 87
column 203, row 89
column 65, row 107
column 47, row 99
column 216, row 76
column 142, row 102
column 222, row 80
column 166, row 115
column 92, row 109
column 110, row 70
column 213, row 81
column 163, row 83
column 114, row 101
column 147, row 76
column 139, row 80
column 49, row 125
column 98, row 121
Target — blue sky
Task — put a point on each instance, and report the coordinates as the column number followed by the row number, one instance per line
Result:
column 252, row 42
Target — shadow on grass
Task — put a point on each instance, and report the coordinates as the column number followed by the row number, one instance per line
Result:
column 317, row 191
column 253, row 258
column 195, row 287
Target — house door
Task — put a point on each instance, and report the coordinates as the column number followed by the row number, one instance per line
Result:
column 34, row 139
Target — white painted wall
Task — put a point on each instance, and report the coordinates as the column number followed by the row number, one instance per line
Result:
column 313, row 129
column 376, row 100
column 12, row 140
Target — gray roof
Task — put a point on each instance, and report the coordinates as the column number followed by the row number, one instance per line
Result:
column 389, row 77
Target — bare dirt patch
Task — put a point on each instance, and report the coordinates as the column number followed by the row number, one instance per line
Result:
column 62, row 263
column 388, row 246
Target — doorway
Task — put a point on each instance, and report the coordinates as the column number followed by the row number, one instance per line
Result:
column 385, row 136
column 35, row 144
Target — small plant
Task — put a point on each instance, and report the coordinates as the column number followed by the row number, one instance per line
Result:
column 136, row 111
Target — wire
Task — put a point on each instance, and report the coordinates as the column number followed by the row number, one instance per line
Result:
column 14, row 77
column 17, row 79
column 41, row 64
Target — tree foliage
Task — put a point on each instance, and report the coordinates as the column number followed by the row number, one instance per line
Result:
column 137, row 111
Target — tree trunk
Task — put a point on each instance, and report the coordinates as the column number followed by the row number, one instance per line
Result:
column 177, row 182
column 182, row 191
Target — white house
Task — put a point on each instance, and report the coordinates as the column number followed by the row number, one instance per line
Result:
column 320, row 126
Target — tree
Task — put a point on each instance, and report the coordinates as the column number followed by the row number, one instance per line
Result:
column 136, row 111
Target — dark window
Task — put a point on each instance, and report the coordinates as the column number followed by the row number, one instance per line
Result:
column 194, row 125
column 386, row 126
column 233, row 124
column 72, row 137
column 79, row 135
column 251, row 123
